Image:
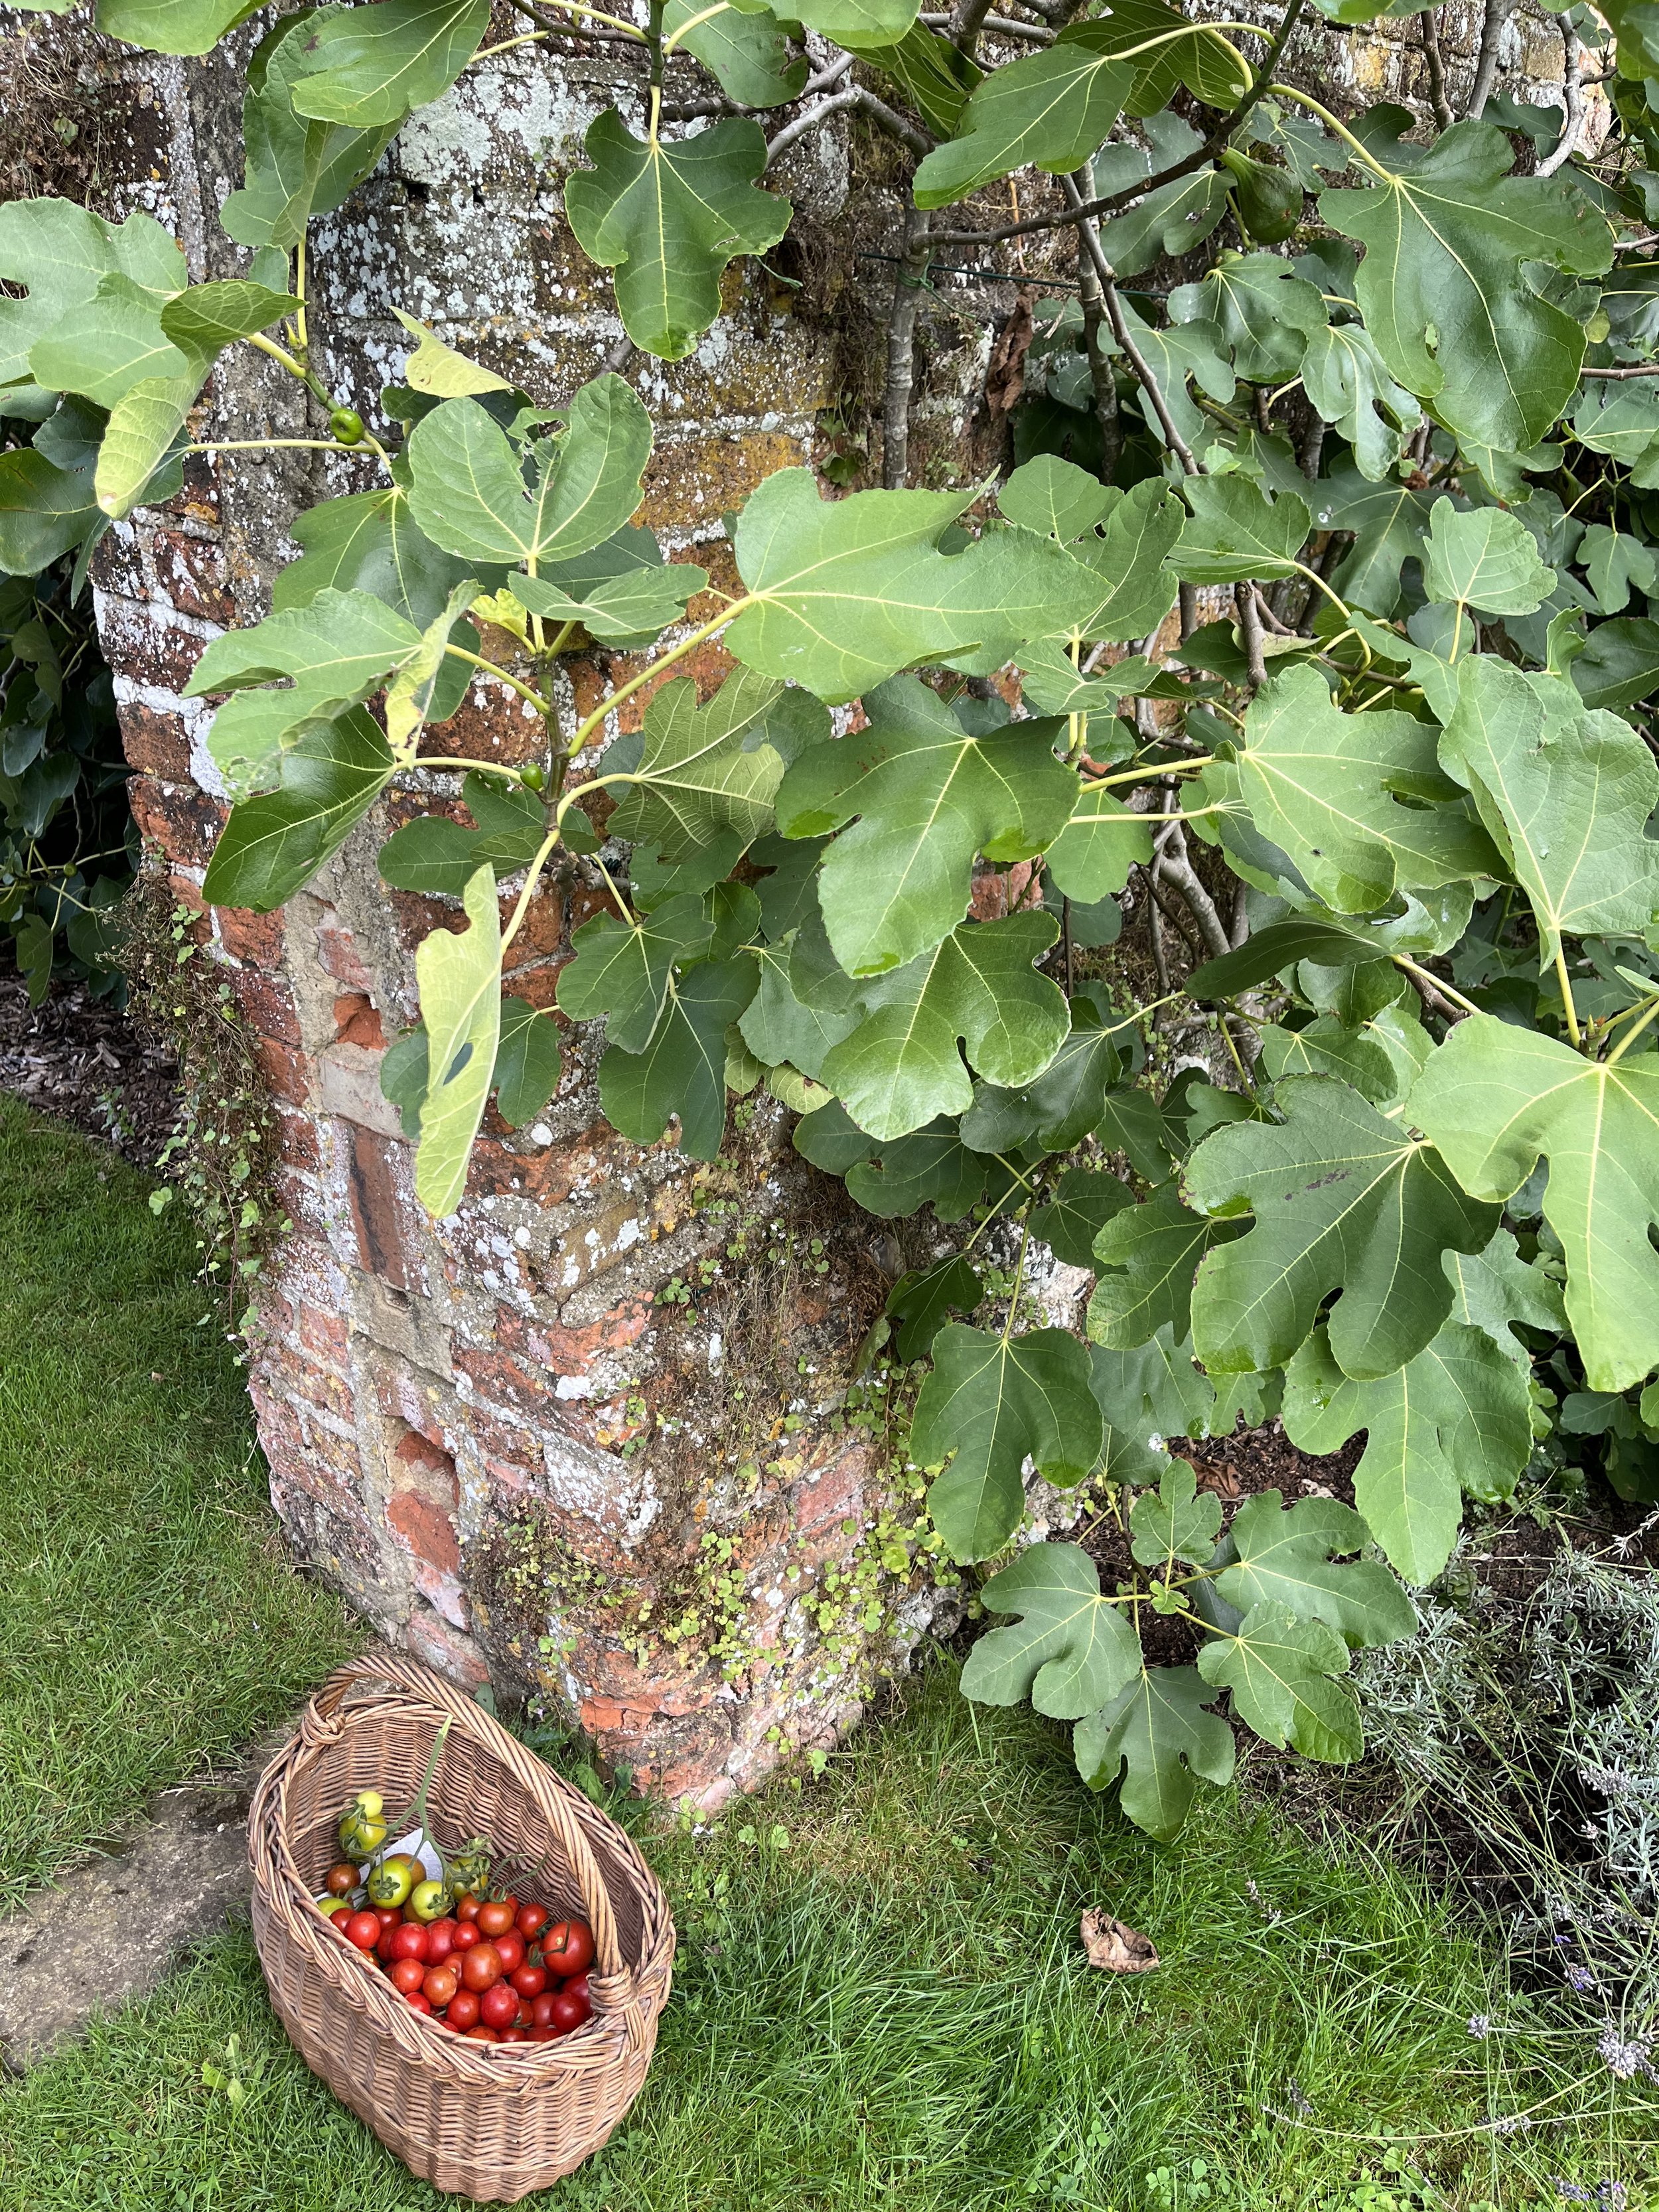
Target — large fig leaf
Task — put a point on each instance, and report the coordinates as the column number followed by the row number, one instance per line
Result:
column 703, row 770
column 1493, row 1097
column 977, row 987
column 1322, row 786
column 929, row 798
column 1447, row 236
column 1158, row 1736
column 274, row 843
column 1294, row 1557
column 1051, row 109
column 469, row 494
column 990, row 1402
column 1279, row 1670
column 459, row 975
column 1146, row 1258
column 1073, row 1650
column 668, row 218
column 1343, row 1200
column 681, row 1069
column 1455, row 1419
column 851, row 590
column 1566, row 792
column 370, row 66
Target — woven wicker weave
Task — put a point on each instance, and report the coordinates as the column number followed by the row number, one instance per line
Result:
column 488, row 2121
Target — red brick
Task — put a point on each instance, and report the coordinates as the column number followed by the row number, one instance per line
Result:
column 183, row 821
column 267, row 1005
column 155, row 740
column 487, row 724
column 357, row 1021
column 191, row 573
column 509, row 1381
column 426, row 1529
column 337, row 953
column 297, row 1143
column 542, row 932
column 325, row 1333
column 287, row 1072
column 256, row 939
column 376, row 1210
column 162, row 655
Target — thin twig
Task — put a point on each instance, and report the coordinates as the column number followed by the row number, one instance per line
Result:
column 1102, row 378
column 1437, row 67
column 1485, row 65
column 1573, row 98
column 852, row 97
column 909, row 280
column 1616, row 375
column 1131, row 352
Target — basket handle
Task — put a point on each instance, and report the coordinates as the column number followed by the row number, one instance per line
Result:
column 381, row 1664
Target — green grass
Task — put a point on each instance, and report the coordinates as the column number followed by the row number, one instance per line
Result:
column 882, row 2001
column 150, row 1617
column 881, row 1998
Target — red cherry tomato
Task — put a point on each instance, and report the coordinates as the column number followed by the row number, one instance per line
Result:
column 515, row 2035
column 440, row 1941
column 499, row 2006
column 383, row 1945
column 511, row 1904
column 541, row 2010
column 389, row 1916
column 529, row 1981
column 419, row 2003
column 544, row 2035
column 569, row 2011
column 568, row 1947
column 482, row 1966
column 466, row 1935
column 363, row 1929
column 466, row 1908
column 409, row 1942
column 531, row 1919
column 495, row 1919
column 510, row 1950
column 340, row 1880
column 464, row 2010
column 407, row 1975
column 577, row 1987
column 482, row 2034
column 441, row 1984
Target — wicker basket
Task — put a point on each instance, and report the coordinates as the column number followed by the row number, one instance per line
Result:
column 488, row 2121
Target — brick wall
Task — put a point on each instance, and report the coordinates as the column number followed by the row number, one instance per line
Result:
column 493, row 1433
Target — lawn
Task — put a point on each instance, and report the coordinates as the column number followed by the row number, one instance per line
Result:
column 881, row 1998
column 151, row 1618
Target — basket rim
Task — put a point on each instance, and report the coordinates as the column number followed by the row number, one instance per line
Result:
column 625, row 2003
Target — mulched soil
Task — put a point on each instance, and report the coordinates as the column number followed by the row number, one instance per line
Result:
column 1232, row 1468
column 81, row 1058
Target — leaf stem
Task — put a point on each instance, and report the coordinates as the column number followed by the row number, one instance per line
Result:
column 1019, row 1276
column 473, row 766
column 490, row 667
column 720, row 8
column 1317, row 107
column 688, row 644
column 1435, row 984
column 1632, row 1033
column 299, row 291
column 272, row 445
column 1143, row 773
column 1575, row 1035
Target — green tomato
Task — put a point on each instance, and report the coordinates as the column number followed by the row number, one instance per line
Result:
column 360, row 1839
column 346, row 425
column 430, row 1901
column 392, row 1880
column 328, row 1907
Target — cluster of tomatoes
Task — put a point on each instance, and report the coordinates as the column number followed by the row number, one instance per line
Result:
column 496, row 1970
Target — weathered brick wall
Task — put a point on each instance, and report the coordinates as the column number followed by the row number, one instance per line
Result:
column 493, row 1433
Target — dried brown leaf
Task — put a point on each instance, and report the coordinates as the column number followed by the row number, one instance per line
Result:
column 1114, row 1946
